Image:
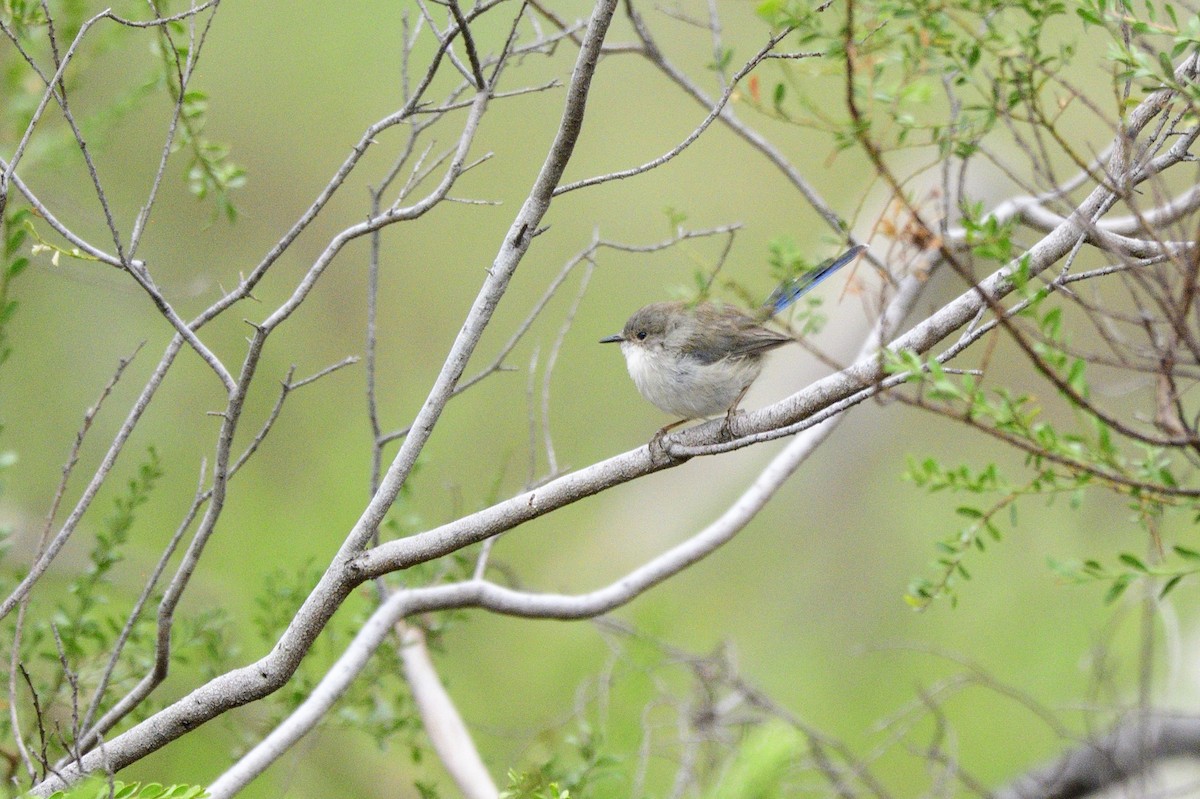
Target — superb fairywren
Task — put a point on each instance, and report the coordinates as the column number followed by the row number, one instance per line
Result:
column 696, row 360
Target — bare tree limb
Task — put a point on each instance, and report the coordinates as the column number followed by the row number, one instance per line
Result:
column 1129, row 750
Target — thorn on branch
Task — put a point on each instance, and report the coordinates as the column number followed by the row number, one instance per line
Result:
column 286, row 383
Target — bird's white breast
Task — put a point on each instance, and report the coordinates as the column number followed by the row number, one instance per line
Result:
column 686, row 387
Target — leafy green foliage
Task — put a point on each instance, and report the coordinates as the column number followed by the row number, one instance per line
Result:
column 281, row 596
column 934, row 74
column 675, row 218
column 100, row 789
column 981, row 527
column 1062, row 458
column 1179, row 564
column 378, row 702
column 1150, row 69
column 210, row 171
column 988, row 237
column 571, row 775
column 81, row 626
column 64, row 655
column 203, row 640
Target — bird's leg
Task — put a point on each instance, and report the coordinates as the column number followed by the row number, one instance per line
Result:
column 657, row 443
column 726, row 427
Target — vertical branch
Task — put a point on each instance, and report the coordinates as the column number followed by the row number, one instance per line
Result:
column 447, row 732
column 512, row 251
column 552, row 468
column 369, row 353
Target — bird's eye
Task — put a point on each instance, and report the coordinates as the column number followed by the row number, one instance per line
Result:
column 641, row 335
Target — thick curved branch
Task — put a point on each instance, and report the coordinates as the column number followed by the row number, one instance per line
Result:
column 443, row 724
column 1129, row 750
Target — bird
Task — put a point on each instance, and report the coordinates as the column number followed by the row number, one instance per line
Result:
column 695, row 360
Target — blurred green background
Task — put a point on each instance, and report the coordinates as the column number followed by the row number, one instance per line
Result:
column 809, row 596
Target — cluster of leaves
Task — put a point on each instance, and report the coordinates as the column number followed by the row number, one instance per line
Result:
column 31, row 29
column 1181, row 563
column 983, row 521
column 14, row 262
column 65, row 655
column 944, row 73
column 101, row 789
column 210, row 171
column 1172, row 33
column 1063, row 458
column 111, row 539
column 377, row 703
column 65, row 649
column 573, row 772
column 24, row 18
column 989, row 238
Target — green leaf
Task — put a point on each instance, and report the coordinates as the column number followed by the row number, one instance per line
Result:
column 1185, row 553
column 1075, row 377
column 1170, row 585
column 1117, row 588
column 1132, row 561
column 1164, row 61
column 778, row 95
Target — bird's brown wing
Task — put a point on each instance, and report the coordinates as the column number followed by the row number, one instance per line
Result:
column 725, row 331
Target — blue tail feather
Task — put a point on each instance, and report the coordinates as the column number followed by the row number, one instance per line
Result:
column 787, row 293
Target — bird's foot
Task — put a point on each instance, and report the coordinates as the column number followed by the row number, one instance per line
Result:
column 657, row 448
column 657, row 445
column 725, row 433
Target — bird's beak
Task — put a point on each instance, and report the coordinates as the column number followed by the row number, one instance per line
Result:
column 612, row 339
